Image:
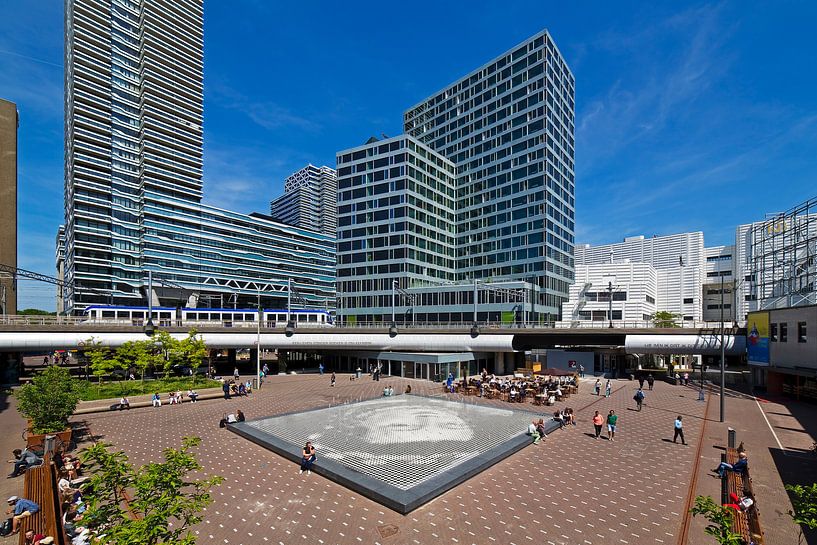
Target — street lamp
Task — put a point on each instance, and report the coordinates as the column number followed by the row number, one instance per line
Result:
column 290, row 328
column 475, row 326
column 258, row 338
column 149, row 328
column 393, row 326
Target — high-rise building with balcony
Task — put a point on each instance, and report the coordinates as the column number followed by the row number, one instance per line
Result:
column 310, row 200
column 133, row 173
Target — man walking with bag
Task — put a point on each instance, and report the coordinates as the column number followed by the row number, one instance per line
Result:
column 679, row 431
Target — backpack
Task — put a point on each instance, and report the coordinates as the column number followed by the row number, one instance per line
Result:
column 6, row 527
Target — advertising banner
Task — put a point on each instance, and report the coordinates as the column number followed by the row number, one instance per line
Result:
column 757, row 340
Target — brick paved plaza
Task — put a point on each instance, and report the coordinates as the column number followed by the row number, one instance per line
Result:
column 571, row 489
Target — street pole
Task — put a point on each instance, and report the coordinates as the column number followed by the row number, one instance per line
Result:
column 723, row 354
column 475, row 301
column 393, row 286
column 289, row 300
column 610, row 303
column 258, row 340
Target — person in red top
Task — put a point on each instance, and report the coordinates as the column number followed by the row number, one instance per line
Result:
column 598, row 422
column 32, row 538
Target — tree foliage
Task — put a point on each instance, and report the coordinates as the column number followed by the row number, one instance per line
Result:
column 664, row 318
column 720, row 520
column 162, row 493
column 100, row 358
column 49, row 399
column 804, row 504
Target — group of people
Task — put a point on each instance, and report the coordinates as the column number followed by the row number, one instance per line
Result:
column 173, row 398
column 608, row 388
column 232, row 418
column 70, row 495
column 649, row 379
column 236, row 388
column 516, row 388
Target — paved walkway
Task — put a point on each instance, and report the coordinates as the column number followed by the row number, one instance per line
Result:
column 570, row 489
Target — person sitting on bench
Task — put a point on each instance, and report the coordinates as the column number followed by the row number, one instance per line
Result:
column 23, row 459
column 741, row 466
column 20, row 508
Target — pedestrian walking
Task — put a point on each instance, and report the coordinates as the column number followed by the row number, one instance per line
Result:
column 612, row 421
column 332, row 380
column 639, row 398
column 650, row 380
column 597, row 386
column 581, row 371
column 679, row 431
column 320, row 368
column 608, row 389
column 236, row 376
column 686, row 379
column 598, row 421
column 641, row 381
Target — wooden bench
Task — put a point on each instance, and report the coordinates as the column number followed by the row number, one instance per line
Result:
column 40, row 486
column 746, row 523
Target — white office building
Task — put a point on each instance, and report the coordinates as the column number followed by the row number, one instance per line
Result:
column 719, row 283
column 644, row 276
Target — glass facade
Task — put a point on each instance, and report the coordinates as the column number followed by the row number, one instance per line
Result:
column 133, row 170
column 509, row 128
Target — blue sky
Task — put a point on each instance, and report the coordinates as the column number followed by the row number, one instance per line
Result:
column 688, row 116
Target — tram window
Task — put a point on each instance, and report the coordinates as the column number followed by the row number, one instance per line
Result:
column 238, row 317
column 122, row 314
column 108, row 314
column 301, row 318
column 164, row 315
column 282, row 317
column 313, row 318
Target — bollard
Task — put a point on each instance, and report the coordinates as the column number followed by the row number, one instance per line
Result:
column 254, row 384
column 730, row 438
column 724, row 486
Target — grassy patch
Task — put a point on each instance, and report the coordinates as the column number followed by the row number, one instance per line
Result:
column 90, row 391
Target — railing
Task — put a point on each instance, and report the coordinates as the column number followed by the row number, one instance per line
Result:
column 35, row 320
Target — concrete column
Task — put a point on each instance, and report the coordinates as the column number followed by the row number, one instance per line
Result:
column 499, row 363
column 231, row 359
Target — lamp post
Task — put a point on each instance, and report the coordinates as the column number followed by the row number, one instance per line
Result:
column 393, row 326
column 149, row 328
column 475, row 327
column 723, row 350
column 610, row 303
column 258, row 339
column 290, row 328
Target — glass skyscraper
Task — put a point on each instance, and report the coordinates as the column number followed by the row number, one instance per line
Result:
column 509, row 127
column 507, row 132
column 133, row 171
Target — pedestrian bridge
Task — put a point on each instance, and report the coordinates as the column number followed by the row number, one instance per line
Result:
column 704, row 341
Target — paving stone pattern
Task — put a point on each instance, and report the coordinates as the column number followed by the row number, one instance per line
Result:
column 570, row 489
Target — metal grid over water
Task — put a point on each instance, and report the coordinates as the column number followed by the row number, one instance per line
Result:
column 403, row 440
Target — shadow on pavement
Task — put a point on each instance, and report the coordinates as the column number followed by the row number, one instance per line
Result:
column 795, row 469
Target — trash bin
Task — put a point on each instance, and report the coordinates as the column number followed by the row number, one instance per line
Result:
column 255, row 384
column 358, row 371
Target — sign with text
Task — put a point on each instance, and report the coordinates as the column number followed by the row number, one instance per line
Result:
column 757, row 341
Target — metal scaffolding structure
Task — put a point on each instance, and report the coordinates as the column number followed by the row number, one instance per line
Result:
column 784, row 258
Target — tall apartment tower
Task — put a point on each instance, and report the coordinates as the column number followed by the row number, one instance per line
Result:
column 509, row 128
column 310, row 200
column 8, row 204
column 133, row 124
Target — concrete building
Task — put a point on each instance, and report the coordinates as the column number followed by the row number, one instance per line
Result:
column 674, row 278
column 782, row 348
column 310, row 200
column 8, row 204
column 133, row 174
column 719, row 283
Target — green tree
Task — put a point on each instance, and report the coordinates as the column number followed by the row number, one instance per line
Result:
column 193, row 349
column 804, row 503
column 171, row 350
column 141, row 355
column 49, row 399
column 663, row 318
column 35, row 312
column 720, row 520
column 101, row 359
column 161, row 493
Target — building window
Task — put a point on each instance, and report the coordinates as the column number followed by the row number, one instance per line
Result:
column 801, row 332
column 687, row 300
column 616, row 315
column 773, row 333
column 651, row 300
column 784, row 332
